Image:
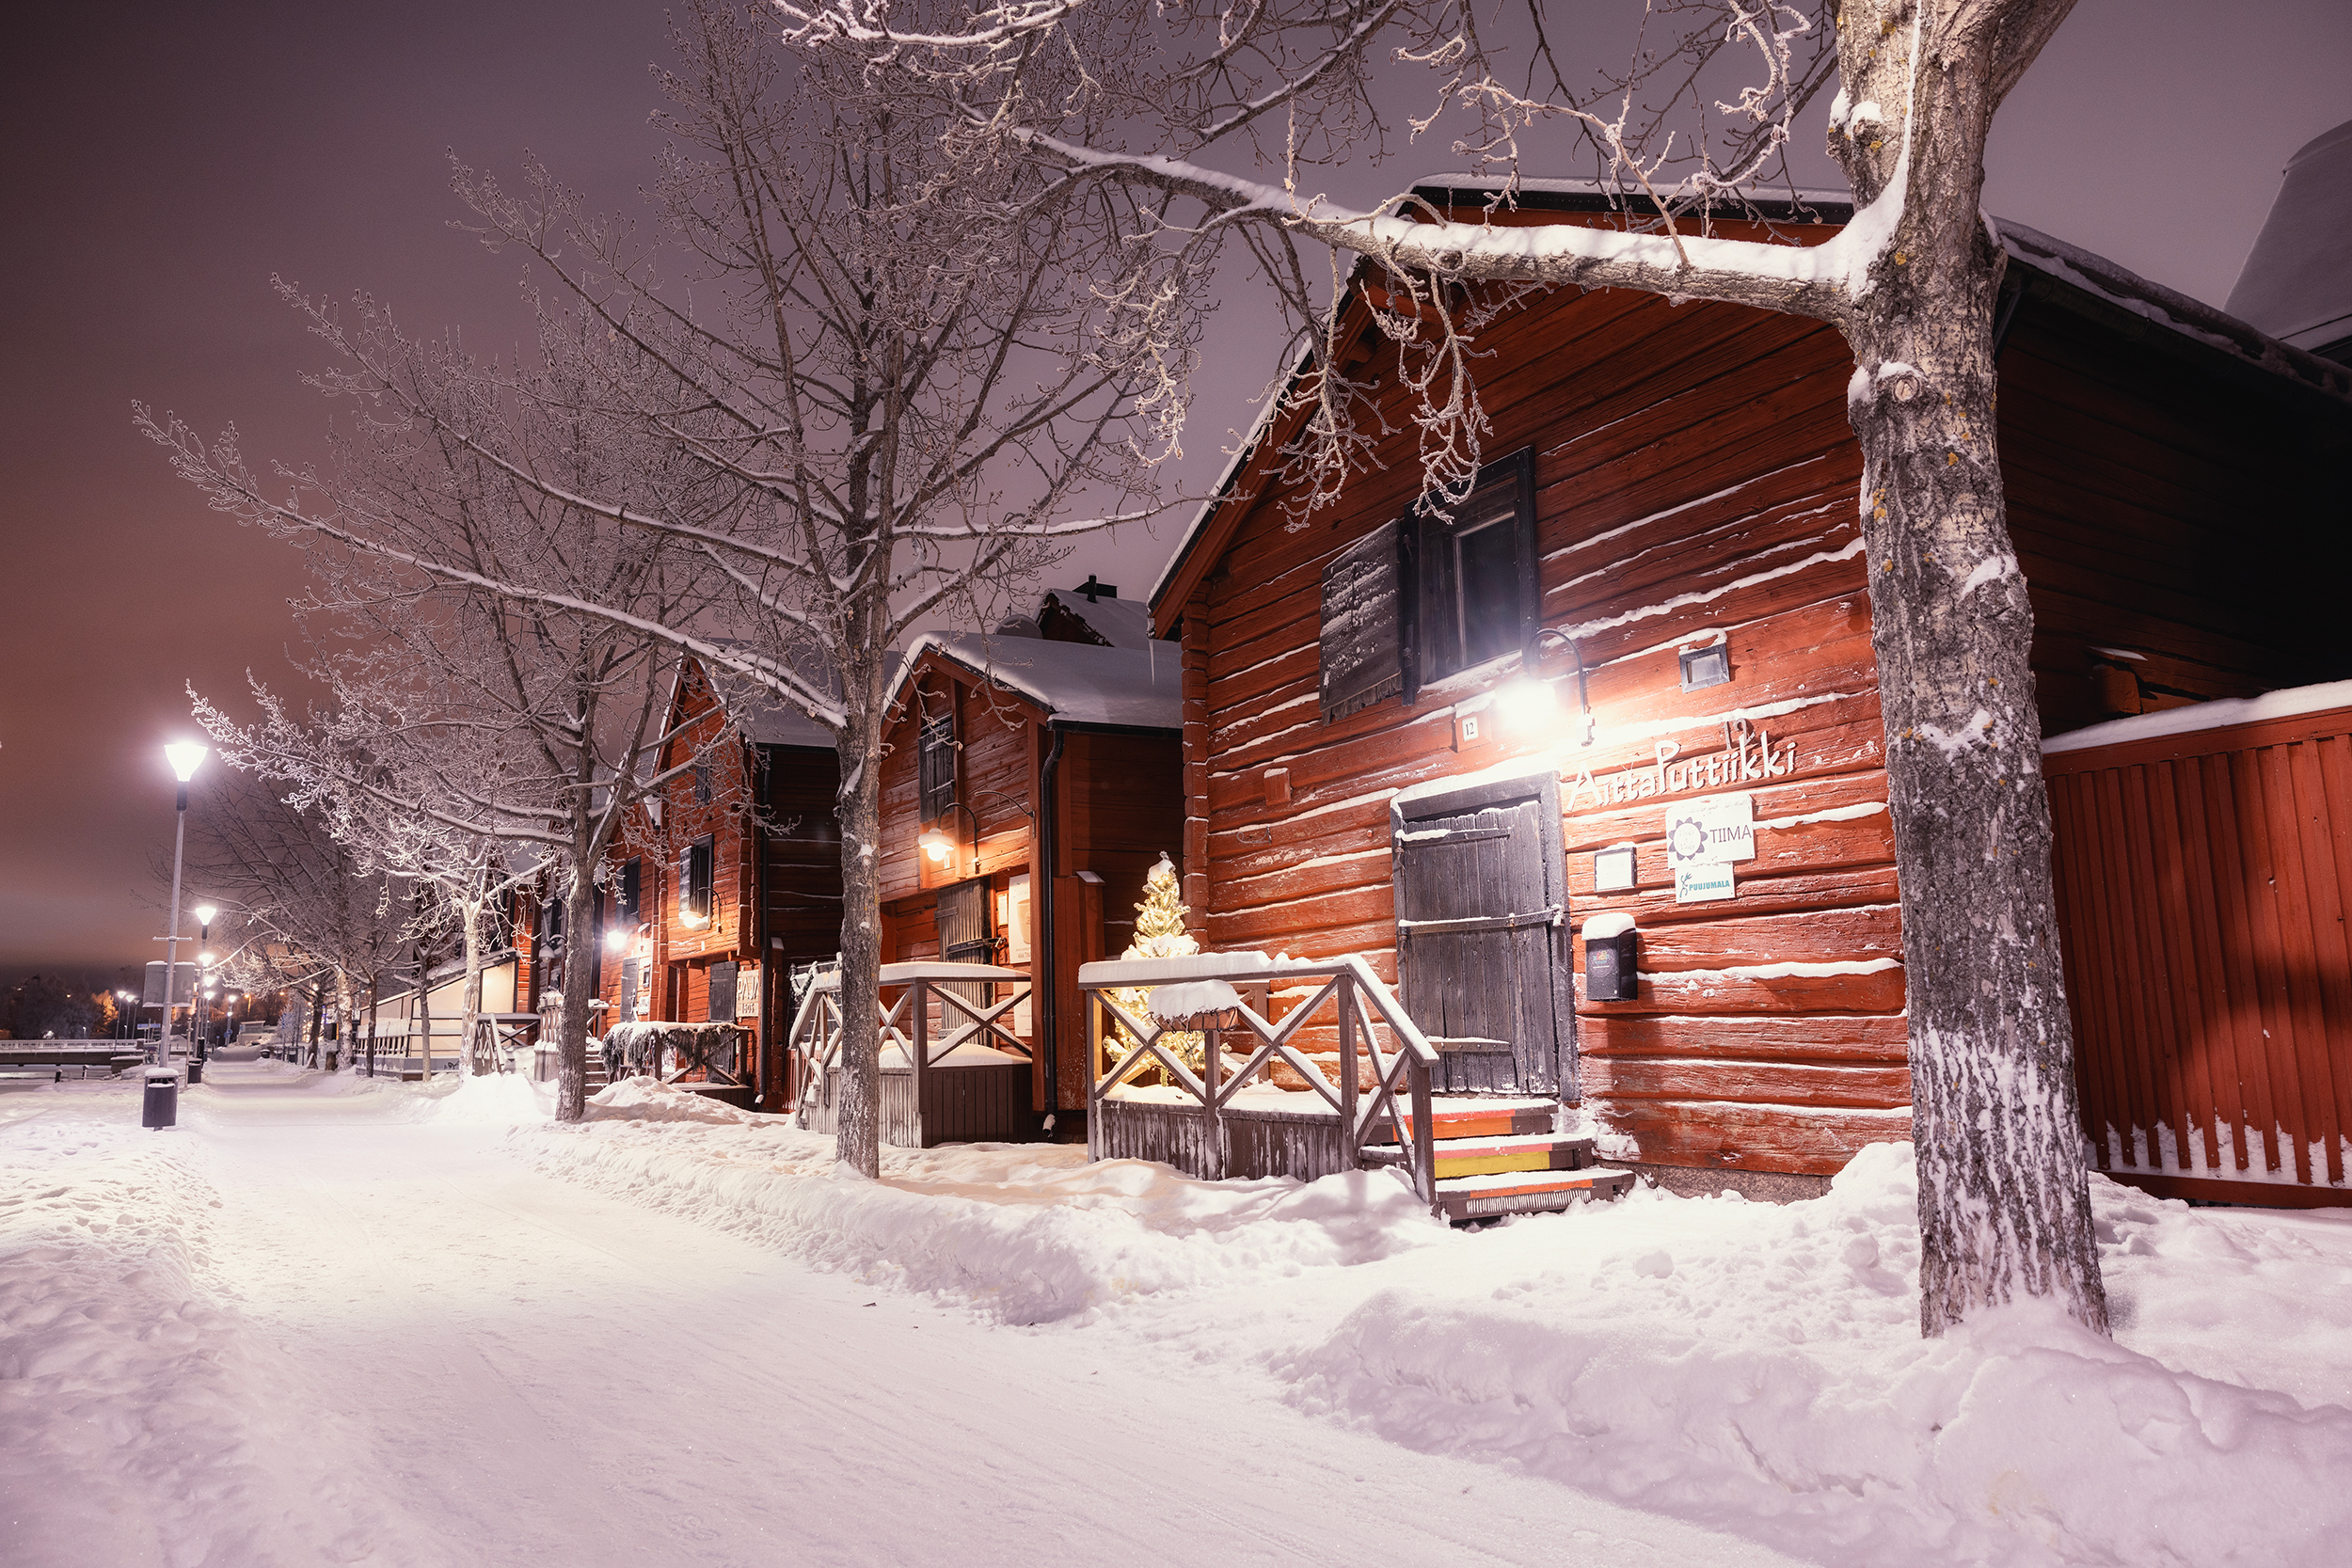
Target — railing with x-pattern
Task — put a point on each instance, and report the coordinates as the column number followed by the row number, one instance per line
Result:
column 1346, row 987
column 924, row 989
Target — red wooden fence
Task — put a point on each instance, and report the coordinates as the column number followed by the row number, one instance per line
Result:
column 2203, row 881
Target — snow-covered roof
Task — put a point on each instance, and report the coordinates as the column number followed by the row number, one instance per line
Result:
column 2192, row 319
column 2055, row 258
column 2297, row 284
column 1121, row 623
column 2292, row 703
column 759, row 715
column 1075, row 683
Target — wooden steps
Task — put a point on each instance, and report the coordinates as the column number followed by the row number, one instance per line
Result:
column 1500, row 1156
column 1478, row 1198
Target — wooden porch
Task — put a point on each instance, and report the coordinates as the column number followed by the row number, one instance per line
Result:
column 952, row 1070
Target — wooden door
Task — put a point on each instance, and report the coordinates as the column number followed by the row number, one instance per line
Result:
column 1482, row 946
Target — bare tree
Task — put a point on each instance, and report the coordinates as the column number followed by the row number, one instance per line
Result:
column 912, row 362
column 417, row 787
column 297, row 898
column 506, row 644
column 1912, row 281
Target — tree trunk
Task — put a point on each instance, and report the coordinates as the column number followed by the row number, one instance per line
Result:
column 2004, row 1203
column 318, row 1007
column 579, row 990
column 476, row 1062
column 857, row 1095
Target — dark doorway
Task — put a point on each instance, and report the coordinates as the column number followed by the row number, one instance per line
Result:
column 1482, row 935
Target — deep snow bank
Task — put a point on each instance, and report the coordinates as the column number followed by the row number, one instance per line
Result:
column 1029, row 1232
column 1747, row 1366
column 1761, row 1368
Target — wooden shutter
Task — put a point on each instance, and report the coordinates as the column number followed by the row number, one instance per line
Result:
column 722, row 993
column 1363, row 627
column 633, row 890
column 628, row 991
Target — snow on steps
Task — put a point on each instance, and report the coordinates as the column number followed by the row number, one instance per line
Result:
column 1500, row 1156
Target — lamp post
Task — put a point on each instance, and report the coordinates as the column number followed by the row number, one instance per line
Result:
column 184, row 757
column 203, row 914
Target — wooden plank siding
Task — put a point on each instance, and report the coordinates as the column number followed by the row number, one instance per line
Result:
column 1696, row 473
column 2202, row 888
column 1119, row 802
column 1715, row 489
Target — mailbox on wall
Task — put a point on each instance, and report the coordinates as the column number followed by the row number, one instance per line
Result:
column 1612, row 951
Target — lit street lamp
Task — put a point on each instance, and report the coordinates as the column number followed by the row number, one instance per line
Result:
column 203, row 914
column 184, row 757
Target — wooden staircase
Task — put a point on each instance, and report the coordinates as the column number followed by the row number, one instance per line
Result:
column 1497, row 1157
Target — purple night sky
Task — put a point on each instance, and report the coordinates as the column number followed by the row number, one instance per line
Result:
column 166, row 161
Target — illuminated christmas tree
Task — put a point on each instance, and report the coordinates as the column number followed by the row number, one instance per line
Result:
column 1160, row 933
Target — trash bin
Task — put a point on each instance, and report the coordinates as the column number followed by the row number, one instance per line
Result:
column 163, row 1098
column 195, row 1070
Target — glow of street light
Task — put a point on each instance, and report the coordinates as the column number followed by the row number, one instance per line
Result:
column 184, row 757
column 204, row 914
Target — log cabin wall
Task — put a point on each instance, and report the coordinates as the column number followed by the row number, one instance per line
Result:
column 1694, row 472
column 1117, row 799
column 2179, row 516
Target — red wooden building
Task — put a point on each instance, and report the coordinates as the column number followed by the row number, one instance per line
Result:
column 1674, row 493
column 1031, row 779
column 725, row 878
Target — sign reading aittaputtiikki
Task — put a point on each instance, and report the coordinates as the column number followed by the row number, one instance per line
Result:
column 1745, row 758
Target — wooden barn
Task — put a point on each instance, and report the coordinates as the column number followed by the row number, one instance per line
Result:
column 1665, row 545
column 723, row 880
column 1029, row 780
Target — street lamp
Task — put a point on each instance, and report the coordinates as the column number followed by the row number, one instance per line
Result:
column 203, row 914
column 184, row 757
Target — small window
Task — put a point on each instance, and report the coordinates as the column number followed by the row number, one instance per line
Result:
column 936, row 764
column 630, row 903
column 695, row 900
column 1417, row 600
column 702, row 784
column 1476, row 575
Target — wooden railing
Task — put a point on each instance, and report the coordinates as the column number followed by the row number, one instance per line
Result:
column 1347, row 986
column 906, row 1022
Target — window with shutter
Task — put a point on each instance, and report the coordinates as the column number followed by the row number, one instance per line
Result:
column 1363, row 646
column 1476, row 581
column 1418, row 598
column 632, row 890
column 936, row 765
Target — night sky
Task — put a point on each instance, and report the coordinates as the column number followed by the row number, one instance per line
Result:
column 163, row 162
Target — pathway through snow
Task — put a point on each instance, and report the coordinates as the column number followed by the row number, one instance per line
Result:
column 325, row 1321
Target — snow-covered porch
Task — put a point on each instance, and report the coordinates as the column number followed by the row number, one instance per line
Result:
column 952, row 1068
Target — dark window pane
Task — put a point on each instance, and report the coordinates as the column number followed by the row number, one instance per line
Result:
column 1487, row 589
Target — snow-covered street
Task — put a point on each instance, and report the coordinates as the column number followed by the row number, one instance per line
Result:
column 333, row 1320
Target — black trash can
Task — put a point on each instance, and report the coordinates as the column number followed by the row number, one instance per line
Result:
column 163, row 1098
column 195, row 1070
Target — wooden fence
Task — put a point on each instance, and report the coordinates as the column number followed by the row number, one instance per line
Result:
column 2204, row 881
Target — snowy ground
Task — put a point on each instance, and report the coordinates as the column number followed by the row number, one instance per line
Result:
column 329, row 1321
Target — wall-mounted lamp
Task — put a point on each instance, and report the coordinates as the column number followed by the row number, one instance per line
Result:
column 939, row 844
column 1529, row 699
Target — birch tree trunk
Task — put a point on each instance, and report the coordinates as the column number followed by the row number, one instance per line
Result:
column 2004, row 1201
column 579, row 989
